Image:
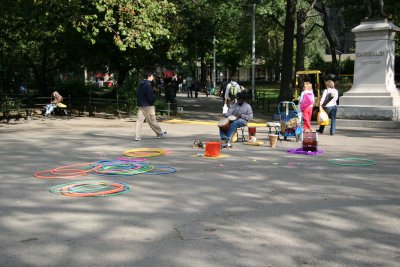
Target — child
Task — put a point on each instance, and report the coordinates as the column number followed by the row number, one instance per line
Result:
column 306, row 101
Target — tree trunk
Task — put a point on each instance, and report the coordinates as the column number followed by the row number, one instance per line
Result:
column 320, row 7
column 286, row 88
column 277, row 57
column 300, row 46
column 300, row 36
column 39, row 76
column 203, row 69
column 122, row 73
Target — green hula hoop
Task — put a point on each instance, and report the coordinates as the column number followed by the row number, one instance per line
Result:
column 358, row 162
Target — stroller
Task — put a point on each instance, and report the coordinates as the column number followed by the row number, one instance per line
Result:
column 290, row 119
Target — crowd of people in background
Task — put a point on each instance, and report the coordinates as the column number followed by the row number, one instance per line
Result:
column 233, row 97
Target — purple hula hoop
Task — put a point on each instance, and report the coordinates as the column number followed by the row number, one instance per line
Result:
column 301, row 151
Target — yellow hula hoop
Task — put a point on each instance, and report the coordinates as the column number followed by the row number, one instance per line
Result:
column 144, row 152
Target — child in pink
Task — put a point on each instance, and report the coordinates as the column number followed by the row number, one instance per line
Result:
column 306, row 103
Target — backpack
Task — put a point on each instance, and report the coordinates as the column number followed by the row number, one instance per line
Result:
column 308, row 99
column 233, row 90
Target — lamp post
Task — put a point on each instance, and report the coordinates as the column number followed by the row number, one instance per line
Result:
column 253, row 44
column 253, row 55
column 213, row 71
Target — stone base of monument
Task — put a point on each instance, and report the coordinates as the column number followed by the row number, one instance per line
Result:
column 346, row 123
column 369, row 106
column 366, row 112
column 374, row 95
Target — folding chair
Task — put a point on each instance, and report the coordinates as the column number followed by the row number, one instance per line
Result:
column 240, row 134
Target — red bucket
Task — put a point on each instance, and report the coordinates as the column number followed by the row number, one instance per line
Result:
column 252, row 132
column 213, row 149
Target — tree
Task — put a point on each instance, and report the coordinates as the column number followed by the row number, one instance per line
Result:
column 286, row 88
column 196, row 25
column 303, row 14
column 35, row 31
column 330, row 36
column 272, row 14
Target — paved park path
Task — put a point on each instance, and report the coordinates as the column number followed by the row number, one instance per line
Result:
column 258, row 206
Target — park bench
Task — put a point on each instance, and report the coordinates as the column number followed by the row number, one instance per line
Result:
column 39, row 103
column 106, row 105
column 13, row 107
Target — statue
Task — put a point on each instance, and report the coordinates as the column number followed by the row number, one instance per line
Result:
column 368, row 6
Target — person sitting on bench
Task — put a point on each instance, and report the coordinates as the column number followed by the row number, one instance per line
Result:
column 56, row 99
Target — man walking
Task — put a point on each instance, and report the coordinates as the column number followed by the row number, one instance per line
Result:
column 146, row 109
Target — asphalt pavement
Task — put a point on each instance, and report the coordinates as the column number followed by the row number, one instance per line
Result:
column 254, row 206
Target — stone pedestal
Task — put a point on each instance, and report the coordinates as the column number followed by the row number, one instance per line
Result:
column 374, row 95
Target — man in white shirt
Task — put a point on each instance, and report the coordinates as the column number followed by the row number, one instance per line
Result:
column 232, row 89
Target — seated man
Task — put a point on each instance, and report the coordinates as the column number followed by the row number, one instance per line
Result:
column 239, row 114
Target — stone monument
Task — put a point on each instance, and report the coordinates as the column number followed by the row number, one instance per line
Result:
column 374, row 95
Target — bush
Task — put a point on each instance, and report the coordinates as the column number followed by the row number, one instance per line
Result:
column 318, row 63
column 76, row 88
column 128, row 92
column 347, row 66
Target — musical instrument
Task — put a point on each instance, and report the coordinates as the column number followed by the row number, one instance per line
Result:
column 232, row 118
column 310, row 141
column 224, row 124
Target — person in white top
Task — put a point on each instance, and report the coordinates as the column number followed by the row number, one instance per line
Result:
column 230, row 97
column 329, row 103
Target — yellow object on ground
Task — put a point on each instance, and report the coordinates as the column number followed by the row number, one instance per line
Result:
column 176, row 121
column 217, row 157
column 257, row 143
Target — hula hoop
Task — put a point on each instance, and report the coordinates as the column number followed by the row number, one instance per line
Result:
column 169, row 170
column 305, row 152
column 144, row 152
column 90, row 189
column 125, row 168
column 64, row 172
column 131, row 159
column 361, row 162
column 87, row 188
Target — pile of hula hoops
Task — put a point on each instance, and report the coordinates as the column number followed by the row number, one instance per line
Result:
column 133, row 163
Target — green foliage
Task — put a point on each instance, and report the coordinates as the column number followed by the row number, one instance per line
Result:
column 347, row 66
column 41, row 38
column 318, row 63
column 76, row 88
column 131, row 23
column 49, row 35
column 353, row 12
column 128, row 91
column 10, row 103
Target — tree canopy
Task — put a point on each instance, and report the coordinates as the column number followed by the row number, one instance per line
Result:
column 41, row 38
